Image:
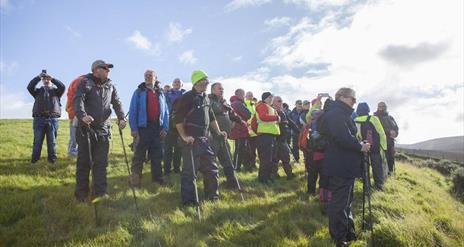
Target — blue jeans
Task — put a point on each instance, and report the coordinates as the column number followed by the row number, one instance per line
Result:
column 48, row 127
column 72, row 147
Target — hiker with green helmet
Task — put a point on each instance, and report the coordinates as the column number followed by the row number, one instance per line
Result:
column 370, row 129
column 194, row 119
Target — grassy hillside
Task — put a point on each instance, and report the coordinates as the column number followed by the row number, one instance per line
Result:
column 453, row 144
column 37, row 207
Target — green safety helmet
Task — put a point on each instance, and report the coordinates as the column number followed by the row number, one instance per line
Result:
column 197, row 76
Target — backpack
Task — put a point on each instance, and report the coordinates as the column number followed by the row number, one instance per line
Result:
column 317, row 141
column 303, row 138
column 369, row 134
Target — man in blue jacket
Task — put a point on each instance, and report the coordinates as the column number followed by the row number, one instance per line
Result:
column 342, row 164
column 149, row 123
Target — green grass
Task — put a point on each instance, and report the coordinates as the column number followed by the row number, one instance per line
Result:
column 37, row 207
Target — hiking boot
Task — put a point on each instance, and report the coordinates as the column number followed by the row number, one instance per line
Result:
column 135, row 180
column 342, row 243
column 100, row 198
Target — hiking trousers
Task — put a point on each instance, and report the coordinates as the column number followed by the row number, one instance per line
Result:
column 149, row 140
column 341, row 225
column 266, row 143
column 99, row 148
column 203, row 157
column 281, row 153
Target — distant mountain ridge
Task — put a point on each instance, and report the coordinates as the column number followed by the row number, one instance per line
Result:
column 453, row 144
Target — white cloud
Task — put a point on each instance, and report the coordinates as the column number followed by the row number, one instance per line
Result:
column 176, row 33
column 424, row 89
column 318, row 4
column 14, row 105
column 237, row 4
column 187, row 57
column 139, row 41
column 277, row 22
column 74, row 33
column 237, row 59
column 8, row 69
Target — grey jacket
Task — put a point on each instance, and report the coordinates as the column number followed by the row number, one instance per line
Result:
column 94, row 99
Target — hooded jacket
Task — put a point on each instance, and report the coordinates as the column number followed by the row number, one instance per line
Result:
column 240, row 129
column 138, row 116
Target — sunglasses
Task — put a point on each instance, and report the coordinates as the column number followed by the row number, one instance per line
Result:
column 104, row 68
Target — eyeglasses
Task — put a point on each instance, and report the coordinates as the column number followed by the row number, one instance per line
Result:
column 352, row 98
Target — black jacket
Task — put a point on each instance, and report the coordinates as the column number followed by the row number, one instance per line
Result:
column 285, row 124
column 343, row 154
column 47, row 99
column 94, row 99
column 224, row 113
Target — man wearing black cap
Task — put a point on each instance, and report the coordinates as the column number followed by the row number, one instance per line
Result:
column 91, row 104
column 267, row 129
column 46, row 111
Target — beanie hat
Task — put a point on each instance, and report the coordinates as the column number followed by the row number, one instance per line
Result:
column 197, row 76
column 265, row 95
column 362, row 109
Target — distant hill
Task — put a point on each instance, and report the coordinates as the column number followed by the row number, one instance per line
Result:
column 453, row 144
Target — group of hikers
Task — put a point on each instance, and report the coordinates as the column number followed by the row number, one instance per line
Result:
column 171, row 124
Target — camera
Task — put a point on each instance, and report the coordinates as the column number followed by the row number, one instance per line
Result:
column 44, row 71
column 323, row 95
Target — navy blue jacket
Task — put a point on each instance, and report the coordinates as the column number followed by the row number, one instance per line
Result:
column 47, row 99
column 343, row 155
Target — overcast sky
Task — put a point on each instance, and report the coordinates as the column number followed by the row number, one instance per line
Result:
column 408, row 53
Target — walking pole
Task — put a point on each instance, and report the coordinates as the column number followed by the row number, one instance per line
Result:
column 128, row 169
column 238, row 183
column 366, row 193
column 94, row 201
column 369, row 192
column 197, row 201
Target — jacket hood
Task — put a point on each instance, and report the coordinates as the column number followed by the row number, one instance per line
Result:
column 235, row 98
column 342, row 106
column 142, row 86
column 362, row 109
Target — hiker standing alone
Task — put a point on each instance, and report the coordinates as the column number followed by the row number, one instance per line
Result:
column 91, row 104
column 46, row 111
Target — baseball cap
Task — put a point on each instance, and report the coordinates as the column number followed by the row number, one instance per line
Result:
column 101, row 64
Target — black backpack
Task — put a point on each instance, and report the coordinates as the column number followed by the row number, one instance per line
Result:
column 369, row 134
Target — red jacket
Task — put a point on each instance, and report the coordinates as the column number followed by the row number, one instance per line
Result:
column 239, row 130
column 263, row 112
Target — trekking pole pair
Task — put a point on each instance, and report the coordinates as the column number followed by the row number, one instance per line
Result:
column 89, row 146
column 366, row 193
